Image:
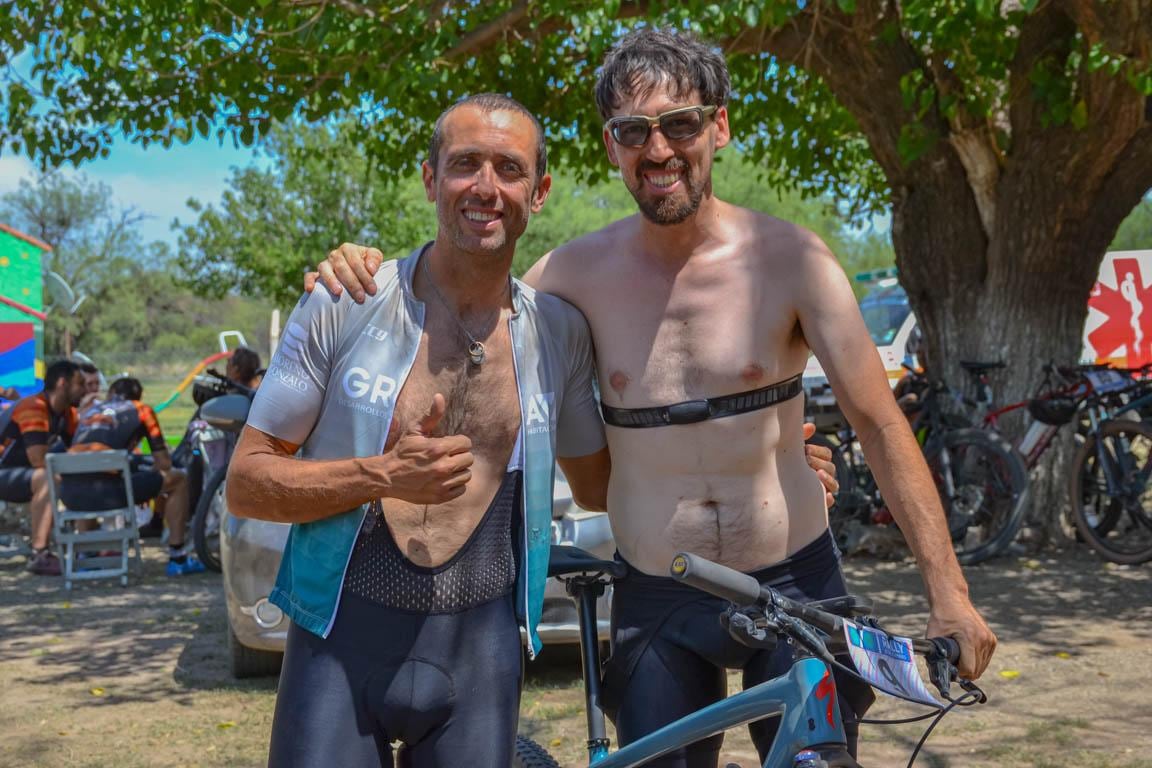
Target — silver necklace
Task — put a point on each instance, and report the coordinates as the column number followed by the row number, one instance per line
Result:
column 476, row 349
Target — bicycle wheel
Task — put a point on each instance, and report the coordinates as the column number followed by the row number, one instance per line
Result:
column 1110, row 493
column 988, row 482
column 206, row 521
column 529, row 754
column 844, row 510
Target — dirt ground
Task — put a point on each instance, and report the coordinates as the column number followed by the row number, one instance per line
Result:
column 107, row 676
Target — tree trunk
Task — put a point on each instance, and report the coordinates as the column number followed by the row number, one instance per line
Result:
column 1025, row 304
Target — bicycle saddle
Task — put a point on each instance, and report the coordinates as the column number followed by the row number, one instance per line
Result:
column 564, row 560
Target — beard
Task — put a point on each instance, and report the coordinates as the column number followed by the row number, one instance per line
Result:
column 669, row 209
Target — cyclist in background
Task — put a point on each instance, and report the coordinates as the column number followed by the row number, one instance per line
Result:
column 122, row 422
column 28, row 430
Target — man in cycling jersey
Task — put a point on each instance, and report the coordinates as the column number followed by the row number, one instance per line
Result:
column 121, row 422
column 722, row 306
column 28, row 430
column 428, row 423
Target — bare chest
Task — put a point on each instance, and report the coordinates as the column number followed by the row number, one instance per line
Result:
column 482, row 401
column 698, row 334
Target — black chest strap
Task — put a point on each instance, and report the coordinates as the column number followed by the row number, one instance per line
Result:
column 692, row 411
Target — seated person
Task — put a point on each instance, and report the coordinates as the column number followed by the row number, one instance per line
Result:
column 27, row 431
column 244, row 367
column 121, row 422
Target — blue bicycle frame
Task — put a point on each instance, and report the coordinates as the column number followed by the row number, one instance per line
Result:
column 804, row 699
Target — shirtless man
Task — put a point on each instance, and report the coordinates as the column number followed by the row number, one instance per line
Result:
column 697, row 299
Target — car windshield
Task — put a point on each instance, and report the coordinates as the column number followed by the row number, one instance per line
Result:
column 885, row 310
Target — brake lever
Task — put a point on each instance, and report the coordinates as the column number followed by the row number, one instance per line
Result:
column 741, row 625
column 943, row 673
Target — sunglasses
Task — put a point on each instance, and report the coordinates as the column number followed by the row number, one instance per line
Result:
column 676, row 125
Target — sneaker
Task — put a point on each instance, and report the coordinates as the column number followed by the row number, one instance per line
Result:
column 45, row 563
column 191, row 565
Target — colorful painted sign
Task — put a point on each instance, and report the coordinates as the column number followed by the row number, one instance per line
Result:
column 21, row 311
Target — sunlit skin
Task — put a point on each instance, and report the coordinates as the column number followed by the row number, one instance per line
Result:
column 454, row 425
column 717, row 299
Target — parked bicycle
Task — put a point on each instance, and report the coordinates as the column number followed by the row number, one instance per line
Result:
column 982, row 484
column 811, row 732
column 1109, row 473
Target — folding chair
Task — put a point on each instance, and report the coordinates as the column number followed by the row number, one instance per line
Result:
column 118, row 530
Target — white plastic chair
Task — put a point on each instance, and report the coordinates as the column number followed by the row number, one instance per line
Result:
column 118, row 529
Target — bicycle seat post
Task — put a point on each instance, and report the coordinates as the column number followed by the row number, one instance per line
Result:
column 585, row 591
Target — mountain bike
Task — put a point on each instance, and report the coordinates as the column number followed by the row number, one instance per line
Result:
column 982, row 484
column 1111, row 470
column 811, row 732
column 1109, row 474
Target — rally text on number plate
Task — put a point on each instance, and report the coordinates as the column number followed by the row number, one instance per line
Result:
column 888, row 663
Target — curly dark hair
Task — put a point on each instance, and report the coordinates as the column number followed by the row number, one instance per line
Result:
column 648, row 57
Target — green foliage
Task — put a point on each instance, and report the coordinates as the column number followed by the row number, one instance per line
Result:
column 317, row 189
column 1135, row 233
column 168, row 70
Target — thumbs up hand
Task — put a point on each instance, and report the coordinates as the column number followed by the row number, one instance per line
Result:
column 424, row 469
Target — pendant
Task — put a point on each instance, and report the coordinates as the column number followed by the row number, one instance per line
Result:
column 476, row 353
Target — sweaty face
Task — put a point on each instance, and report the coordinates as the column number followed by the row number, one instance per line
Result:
column 668, row 178
column 484, row 185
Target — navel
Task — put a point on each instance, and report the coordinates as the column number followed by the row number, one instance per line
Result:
column 752, row 374
column 619, row 381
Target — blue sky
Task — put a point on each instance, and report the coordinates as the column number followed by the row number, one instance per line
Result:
column 155, row 181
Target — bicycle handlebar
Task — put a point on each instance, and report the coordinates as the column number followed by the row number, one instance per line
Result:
column 742, row 589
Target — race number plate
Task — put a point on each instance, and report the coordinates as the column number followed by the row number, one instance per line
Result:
column 888, row 663
column 1106, row 380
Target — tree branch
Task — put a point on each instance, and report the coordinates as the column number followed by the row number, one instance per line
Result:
column 486, row 34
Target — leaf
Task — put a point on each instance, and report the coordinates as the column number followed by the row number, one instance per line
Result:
column 1009, row 674
column 848, row 6
column 1063, row 655
column 96, row 691
column 555, row 742
column 226, row 725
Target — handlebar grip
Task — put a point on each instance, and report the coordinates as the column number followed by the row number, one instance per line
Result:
column 944, row 645
column 716, row 579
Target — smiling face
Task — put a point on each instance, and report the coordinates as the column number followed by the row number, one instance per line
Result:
column 668, row 178
column 484, row 185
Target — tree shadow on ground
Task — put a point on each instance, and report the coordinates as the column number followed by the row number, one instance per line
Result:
column 159, row 637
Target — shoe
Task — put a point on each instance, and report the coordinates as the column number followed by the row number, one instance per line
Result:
column 46, row 563
column 189, row 566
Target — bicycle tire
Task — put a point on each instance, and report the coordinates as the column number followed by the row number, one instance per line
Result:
column 843, row 510
column 991, row 482
column 1111, row 531
column 205, row 536
column 529, row 754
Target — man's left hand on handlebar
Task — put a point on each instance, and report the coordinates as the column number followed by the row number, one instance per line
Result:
column 960, row 620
